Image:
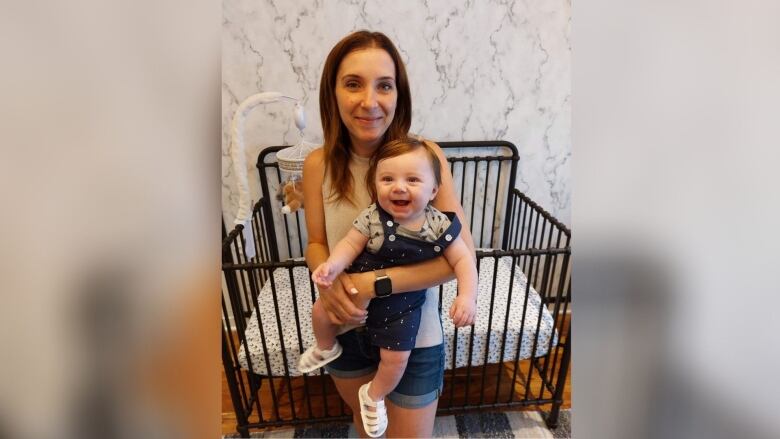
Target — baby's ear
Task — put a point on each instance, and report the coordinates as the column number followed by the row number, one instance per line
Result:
column 434, row 192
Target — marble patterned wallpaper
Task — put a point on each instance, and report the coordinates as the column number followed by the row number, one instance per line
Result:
column 479, row 70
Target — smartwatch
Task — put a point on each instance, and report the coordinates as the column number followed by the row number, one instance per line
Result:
column 383, row 287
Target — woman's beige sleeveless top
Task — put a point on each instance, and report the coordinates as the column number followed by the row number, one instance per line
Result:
column 338, row 220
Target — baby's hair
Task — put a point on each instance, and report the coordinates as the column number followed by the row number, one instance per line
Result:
column 397, row 147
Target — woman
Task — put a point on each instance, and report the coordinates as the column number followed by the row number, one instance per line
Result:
column 365, row 102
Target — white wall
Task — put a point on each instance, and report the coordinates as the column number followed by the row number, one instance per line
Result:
column 481, row 70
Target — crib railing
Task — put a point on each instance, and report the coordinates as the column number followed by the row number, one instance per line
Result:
column 501, row 218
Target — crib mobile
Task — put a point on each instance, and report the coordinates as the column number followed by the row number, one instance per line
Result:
column 290, row 162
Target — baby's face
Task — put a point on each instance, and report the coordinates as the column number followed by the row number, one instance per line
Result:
column 405, row 184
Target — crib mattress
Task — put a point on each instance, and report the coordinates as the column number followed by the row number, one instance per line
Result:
column 488, row 332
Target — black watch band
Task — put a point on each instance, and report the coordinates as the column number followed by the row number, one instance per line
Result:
column 383, row 286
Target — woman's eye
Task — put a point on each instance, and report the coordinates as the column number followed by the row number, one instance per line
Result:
column 386, row 86
column 352, row 84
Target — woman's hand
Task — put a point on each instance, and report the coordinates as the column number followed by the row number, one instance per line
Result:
column 363, row 284
column 338, row 303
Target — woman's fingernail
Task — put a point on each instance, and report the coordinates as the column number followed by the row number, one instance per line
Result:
column 353, row 291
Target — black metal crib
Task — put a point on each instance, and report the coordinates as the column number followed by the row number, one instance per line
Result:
column 517, row 356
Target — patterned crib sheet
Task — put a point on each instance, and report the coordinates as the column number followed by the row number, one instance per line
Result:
column 488, row 332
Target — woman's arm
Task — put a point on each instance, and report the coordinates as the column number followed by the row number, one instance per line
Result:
column 428, row 273
column 335, row 299
column 447, row 200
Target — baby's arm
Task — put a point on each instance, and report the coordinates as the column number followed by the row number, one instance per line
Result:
column 464, row 307
column 342, row 255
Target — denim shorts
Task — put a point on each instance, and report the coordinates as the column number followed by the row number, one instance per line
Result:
column 423, row 378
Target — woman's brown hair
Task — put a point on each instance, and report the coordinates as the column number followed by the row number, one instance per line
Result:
column 397, row 147
column 335, row 135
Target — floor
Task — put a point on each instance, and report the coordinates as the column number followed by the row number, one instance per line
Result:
column 510, row 424
column 459, row 388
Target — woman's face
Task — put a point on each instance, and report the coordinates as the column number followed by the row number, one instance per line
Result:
column 366, row 95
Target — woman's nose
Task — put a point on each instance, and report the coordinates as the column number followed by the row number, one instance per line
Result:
column 369, row 99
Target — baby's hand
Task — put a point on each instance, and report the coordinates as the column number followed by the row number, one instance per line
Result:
column 323, row 276
column 463, row 310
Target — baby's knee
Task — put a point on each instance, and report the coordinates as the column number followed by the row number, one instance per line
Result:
column 317, row 307
column 395, row 358
column 318, row 311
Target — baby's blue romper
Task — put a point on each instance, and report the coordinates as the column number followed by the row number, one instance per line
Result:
column 393, row 321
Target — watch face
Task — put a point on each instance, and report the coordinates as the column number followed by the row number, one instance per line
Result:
column 383, row 287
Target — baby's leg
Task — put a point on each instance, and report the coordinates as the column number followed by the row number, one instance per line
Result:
column 324, row 331
column 392, row 365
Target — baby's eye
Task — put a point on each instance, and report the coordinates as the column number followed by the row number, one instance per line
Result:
column 387, row 179
column 413, row 179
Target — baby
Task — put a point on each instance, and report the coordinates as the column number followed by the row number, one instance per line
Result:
column 400, row 228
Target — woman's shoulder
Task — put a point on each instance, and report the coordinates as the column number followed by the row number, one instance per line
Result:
column 315, row 157
column 314, row 166
column 314, row 160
